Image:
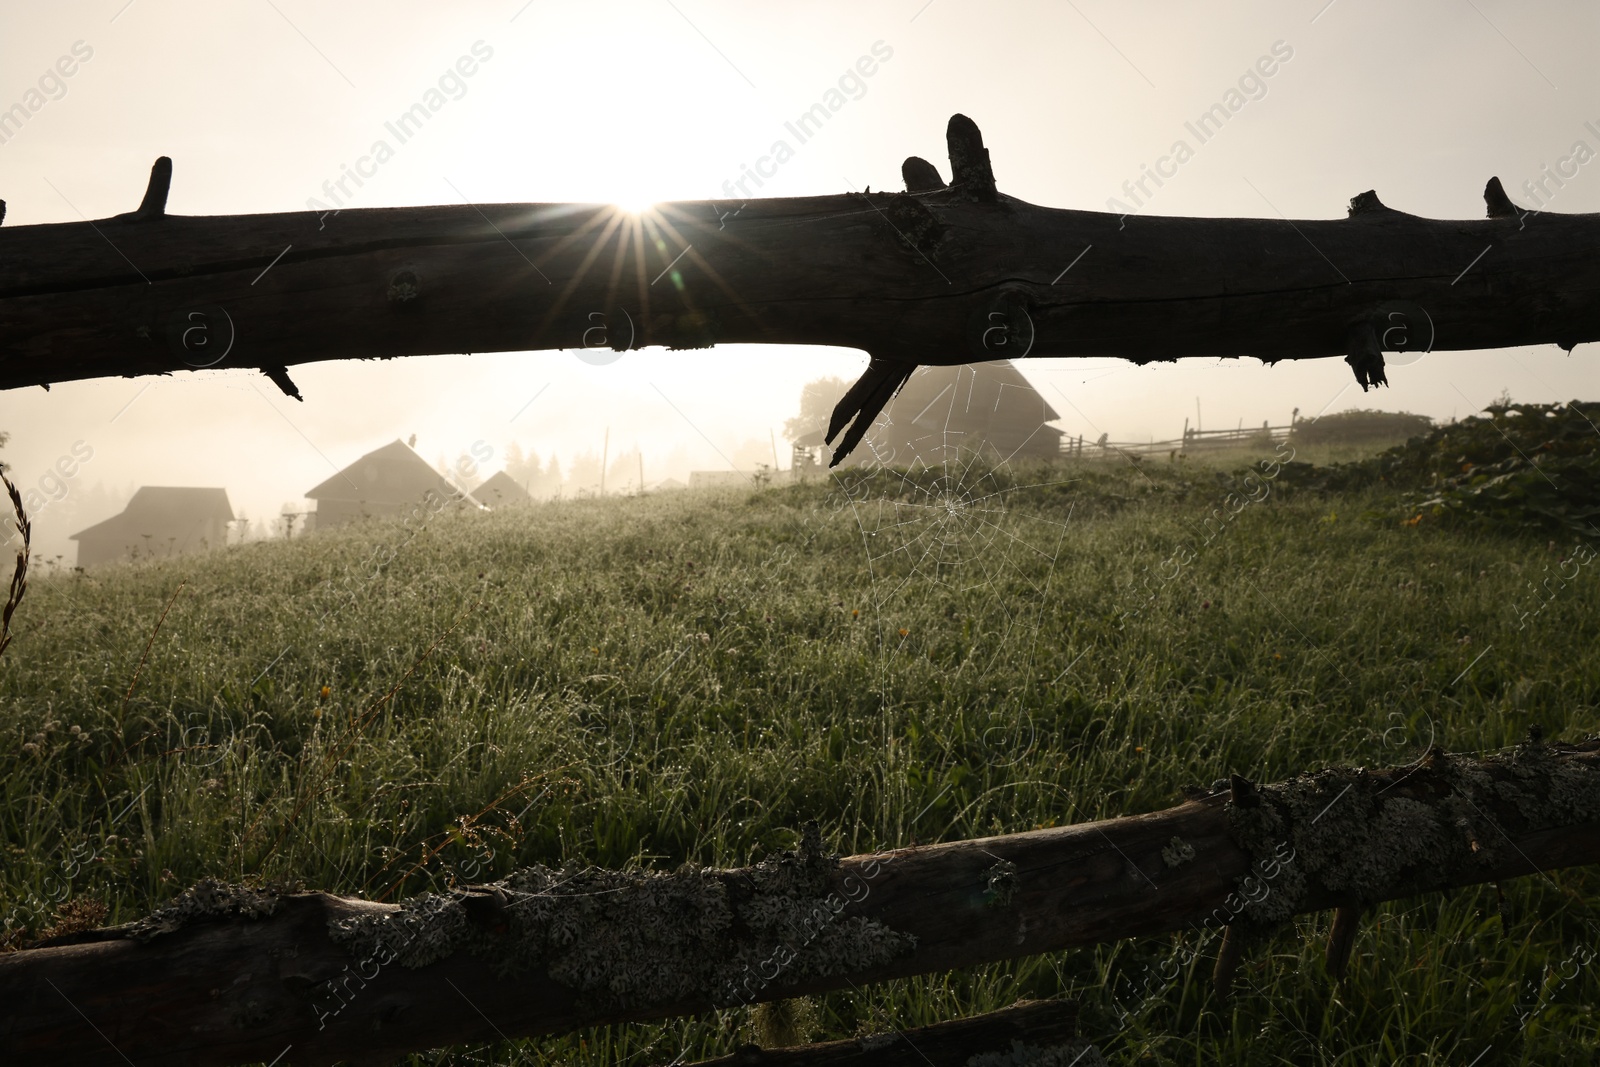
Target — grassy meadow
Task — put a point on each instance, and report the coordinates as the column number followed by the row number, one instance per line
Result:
column 388, row 709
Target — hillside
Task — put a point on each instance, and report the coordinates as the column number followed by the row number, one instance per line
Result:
column 689, row 677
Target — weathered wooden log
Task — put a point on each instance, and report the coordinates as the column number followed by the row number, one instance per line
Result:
column 940, row 275
column 1014, row 1036
column 225, row 974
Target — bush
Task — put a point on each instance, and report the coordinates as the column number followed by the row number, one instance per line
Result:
column 1360, row 427
column 1523, row 467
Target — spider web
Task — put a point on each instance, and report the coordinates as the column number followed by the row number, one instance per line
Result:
column 945, row 513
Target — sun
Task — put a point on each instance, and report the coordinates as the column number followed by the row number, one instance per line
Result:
column 633, row 205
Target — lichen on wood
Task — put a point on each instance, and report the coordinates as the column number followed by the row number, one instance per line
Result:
column 1000, row 884
column 237, row 980
column 1177, row 852
column 918, row 228
column 1362, row 837
column 635, row 938
column 208, row 899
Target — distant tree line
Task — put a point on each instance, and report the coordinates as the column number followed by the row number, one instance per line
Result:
column 545, row 479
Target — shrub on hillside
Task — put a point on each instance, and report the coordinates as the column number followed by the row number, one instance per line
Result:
column 1360, row 427
column 1519, row 466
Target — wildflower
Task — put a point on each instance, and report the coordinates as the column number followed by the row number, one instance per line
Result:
column 1138, row 748
column 76, row 730
column 1204, row 604
column 855, row 613
column 30, row 748
column 903, row 633
column 326, row 691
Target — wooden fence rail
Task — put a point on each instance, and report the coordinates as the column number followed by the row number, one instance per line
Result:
column 939, row 274
column 229, row 974
column 1264, row 435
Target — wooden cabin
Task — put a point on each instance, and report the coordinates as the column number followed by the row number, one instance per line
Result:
column 941, row 412
column 501, row 491
column 159, row 521
column 392, row 481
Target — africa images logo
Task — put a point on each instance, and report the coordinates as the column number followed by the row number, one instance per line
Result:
column 52, row 85
column 1252, row 85
column 405, row 126
column 809, row 123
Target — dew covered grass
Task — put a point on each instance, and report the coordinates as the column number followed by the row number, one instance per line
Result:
column 390, row 709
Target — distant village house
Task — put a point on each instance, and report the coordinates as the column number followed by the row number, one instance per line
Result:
column 388, row 481
column 943, row 411
column 501, row 491
column 159, row 521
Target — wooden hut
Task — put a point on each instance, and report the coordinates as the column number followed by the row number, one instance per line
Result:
column 501, row 491
column 943, row 411
column 388, row 481
column 159, row 521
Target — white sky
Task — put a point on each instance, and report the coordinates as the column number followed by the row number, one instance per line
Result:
column 260, row 101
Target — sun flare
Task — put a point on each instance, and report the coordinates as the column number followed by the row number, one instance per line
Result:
column 635, row 206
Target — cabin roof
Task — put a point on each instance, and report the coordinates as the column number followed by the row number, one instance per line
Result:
column 972, row 400
column 163, row 509
column 393, row 474
column 500, row 490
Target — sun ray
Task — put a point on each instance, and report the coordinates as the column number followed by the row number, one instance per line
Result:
column 711, row 272
column 613, row 221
